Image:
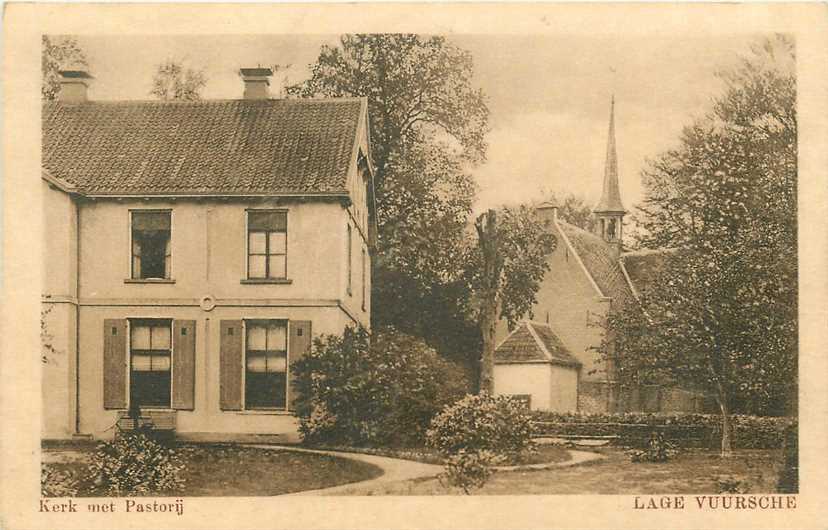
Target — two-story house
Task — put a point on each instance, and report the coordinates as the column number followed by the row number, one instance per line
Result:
column 192, row 252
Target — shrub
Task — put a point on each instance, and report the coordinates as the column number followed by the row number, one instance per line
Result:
column 469, row 470
column 134, row 463
column 730, row 484
column 658, row 449
column 482, row 423
column 55, row 483
column 372, row 390
column 693, row 430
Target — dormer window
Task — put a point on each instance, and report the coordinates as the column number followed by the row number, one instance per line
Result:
column 151, row 255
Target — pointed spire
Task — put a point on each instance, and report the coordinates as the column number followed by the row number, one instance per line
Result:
column 611, row 197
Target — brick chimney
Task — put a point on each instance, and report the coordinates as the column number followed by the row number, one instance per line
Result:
column 256, row 82
column 73, row 85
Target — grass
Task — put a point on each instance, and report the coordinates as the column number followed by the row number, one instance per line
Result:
column 233, row 470
column 692, row 472
column 545, row 454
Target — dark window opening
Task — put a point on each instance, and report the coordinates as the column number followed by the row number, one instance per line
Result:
column 266, row 244
column 265, row 382
column 150, row 362
column 150, row 245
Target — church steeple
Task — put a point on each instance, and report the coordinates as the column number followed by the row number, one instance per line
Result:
column 609, row 211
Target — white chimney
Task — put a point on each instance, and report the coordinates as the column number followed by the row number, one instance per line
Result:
column 256, row 82
column 73, row 85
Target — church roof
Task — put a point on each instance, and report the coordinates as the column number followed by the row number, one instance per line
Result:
column 611, row 197
column 643, row 267
column 599, row 259
column 534, row 342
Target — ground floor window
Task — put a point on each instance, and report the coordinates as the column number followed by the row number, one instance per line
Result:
column 150, row 361
column 265, row 376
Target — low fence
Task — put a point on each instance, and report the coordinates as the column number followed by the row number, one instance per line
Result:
column 689, row 430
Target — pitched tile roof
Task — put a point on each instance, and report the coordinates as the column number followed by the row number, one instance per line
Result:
column 598, row 258
column 532, row 341
column 643, row 267
column 300, row 146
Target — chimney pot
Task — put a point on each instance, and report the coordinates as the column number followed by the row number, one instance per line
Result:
column 73, row 86
column 256, row 82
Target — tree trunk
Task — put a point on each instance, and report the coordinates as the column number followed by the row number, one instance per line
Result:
column 727, row 447
column 486, row 226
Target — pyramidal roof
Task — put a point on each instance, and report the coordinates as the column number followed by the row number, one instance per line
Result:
column 611, row 197
column 534, row 342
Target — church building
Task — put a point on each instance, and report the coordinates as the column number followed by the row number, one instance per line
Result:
column 552, row 362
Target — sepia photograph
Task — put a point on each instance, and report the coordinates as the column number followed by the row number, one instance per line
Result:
column 407, row 264
column 414, row 266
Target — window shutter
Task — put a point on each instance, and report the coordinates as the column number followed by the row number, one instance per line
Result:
column 183, row 386
column 231, row 365
column 300, row 343
column 115, row 363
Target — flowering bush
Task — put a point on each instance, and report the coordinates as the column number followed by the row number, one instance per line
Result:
column 469, row 469
column 357, row 389
column 134, row 463
column 55, row 483
column 658, row 449
column 482, row 423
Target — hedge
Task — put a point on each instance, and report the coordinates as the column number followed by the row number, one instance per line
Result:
column 687, row 430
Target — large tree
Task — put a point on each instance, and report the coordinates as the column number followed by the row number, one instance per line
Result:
column 58, row 53
column 723, row 314
column 505, row 266
column 428, row 124
column 174, row 81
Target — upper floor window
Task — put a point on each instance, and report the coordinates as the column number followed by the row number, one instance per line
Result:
column 266, row 244
column 350, row 245
column 151, row 244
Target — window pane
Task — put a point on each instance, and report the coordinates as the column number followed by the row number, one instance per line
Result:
column 141, row 363
column 257, row 243
column 265, row 390
column 278, row 242
column 150, row 389
column 256, row 338
column 277, row 337
column 277, row 266
column 153, row 253
column 266, row 220
column 140, row 337
column 257, row 267
column 276, row 362
column 151, row 221
column 256, row 363
column 160, row 363
column 160, row 338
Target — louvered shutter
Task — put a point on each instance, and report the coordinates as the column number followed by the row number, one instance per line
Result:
column 299, row 345
column 115, row 364
column 231, row 365
column 183, row 387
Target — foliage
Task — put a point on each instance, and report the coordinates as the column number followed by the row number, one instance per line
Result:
column 58, row 53
column 504, row 271
column 469, row 470
column 730, row 484
column 428, row 125
column 723, row 312
column 173, row 81
column 481, row 422
column 49, row 351
column 691, row 430
column 133, row 463
column 574, row 210
column 658, row 449
column 380, row 390
column 57, row 483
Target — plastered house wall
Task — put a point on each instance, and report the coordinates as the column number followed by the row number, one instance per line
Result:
column 552, row 387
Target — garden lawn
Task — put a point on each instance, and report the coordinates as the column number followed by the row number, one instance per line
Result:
column 688, row 473
column 545, row 454
column 234, row 470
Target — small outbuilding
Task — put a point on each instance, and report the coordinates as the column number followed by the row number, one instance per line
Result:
column 532, row 364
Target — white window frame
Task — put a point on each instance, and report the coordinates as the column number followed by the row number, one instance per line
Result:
column 253, row 320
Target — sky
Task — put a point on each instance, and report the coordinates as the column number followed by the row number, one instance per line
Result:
column 549, row 96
